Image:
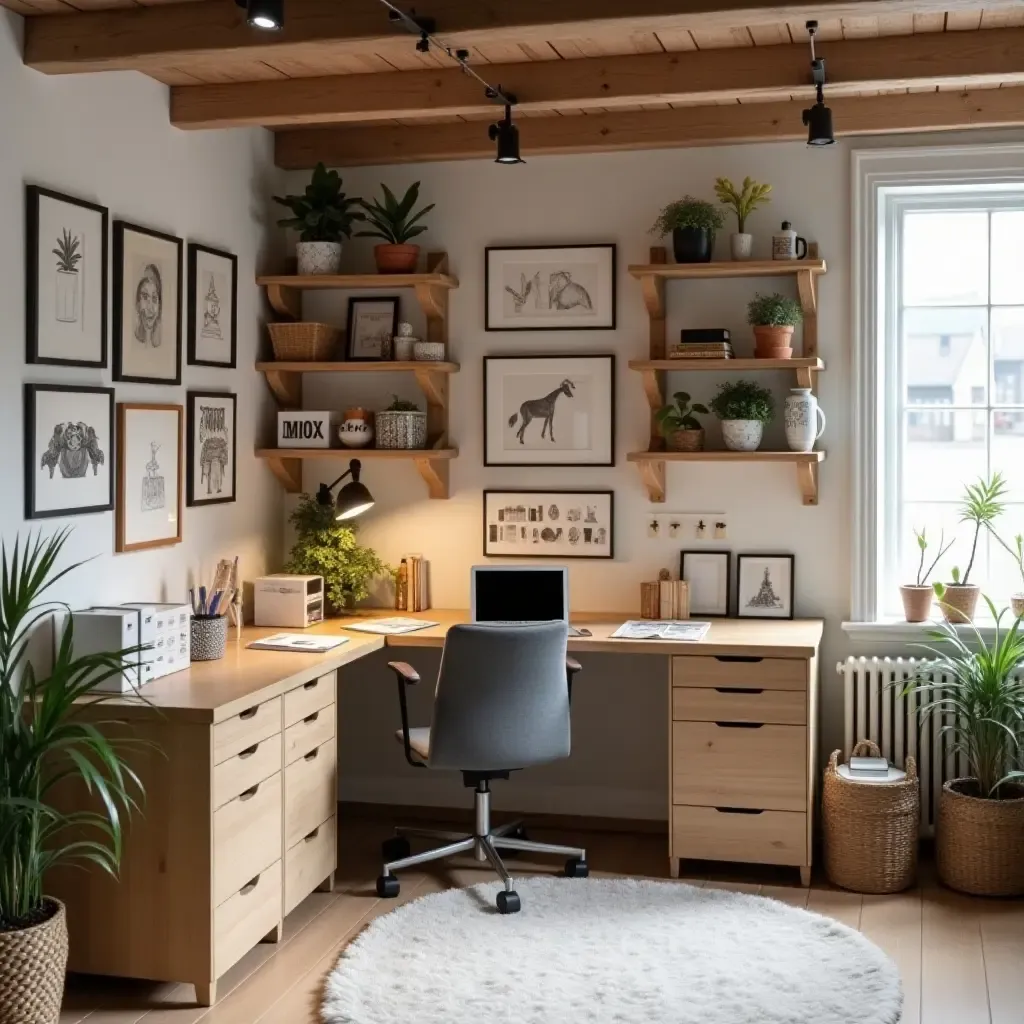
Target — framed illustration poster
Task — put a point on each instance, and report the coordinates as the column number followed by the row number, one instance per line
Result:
column 211, row 448
column 370, row 327
column 69, row 451
column 212, row 306
column 549, row 411
column 66, row 279
column 147, row 305
column 764, row 585
column 549, row 524
column 148, row 476
column 707, row 573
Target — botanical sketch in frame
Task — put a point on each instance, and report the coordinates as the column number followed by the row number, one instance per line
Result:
column 371, row 325
column 212, row 306
column 549, row 524
column 709, row 578
column 149, row 475
column 764, row 586
column 69, row 451
column 549, row 411
column 66, row 279
column 212, row 448
column 551, row 287
column 147, row 305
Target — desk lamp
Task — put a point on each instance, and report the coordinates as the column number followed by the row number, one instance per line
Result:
column 353, row 499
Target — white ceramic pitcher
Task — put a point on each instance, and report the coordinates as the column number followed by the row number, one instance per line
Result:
column 802, row 416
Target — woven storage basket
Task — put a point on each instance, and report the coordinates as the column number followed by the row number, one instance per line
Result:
column 32, row 963
column 871, row 829
column 979, row 844
column 304, row 342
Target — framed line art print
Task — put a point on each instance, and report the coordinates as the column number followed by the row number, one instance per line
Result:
column 549, row 288
column 66, row 279
column 370, row 327
column 69, row 450
column 708, row 575
column 149, row 476
column 549, row 524
column 212, row 297
column 210, row 448
column 764, row 586
column 147, row 305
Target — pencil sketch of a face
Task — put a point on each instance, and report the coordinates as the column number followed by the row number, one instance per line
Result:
column 149, row 303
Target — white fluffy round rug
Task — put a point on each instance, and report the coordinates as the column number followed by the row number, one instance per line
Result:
column 615, row 951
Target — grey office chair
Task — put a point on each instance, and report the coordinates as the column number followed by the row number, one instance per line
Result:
column 501, row 703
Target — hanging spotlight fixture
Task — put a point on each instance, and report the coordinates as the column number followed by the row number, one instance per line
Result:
column 818, row 118
column 264, row 14
column 506, row 134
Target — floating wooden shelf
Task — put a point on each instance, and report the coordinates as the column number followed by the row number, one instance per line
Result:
column 652, row 467
column 727, row 268
column 432, row 463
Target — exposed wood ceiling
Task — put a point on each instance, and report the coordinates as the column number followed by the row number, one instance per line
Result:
column 339, row 83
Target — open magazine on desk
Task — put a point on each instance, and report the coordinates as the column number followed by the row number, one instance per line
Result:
column 662, row 629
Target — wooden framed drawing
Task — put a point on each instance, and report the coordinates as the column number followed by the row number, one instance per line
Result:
column 211, row 448
column 147, row 305
column 550, row 288
column 549, row 524
column 549, row 411
column 764, row 586
column 370, row 327
column 69, row 453
column 212, row 307
column 149, row 475
column 66, row 279
column 708, row 575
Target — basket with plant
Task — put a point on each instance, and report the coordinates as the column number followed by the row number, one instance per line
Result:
column 394, row 222
column 692, row 223
column 774, row 318
column 679, row 426
column 743, row 201
column 744, row 408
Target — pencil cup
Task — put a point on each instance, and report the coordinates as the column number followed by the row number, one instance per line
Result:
column 209, row 637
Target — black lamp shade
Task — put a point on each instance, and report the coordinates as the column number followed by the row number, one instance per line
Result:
column 819, row 125
column 265, row 14
column 506, row 134
column 353, row 500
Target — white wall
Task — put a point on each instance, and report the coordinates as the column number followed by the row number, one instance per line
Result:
column 106, row 138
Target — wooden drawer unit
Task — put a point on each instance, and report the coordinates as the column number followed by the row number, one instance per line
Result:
column 739, row 671
column 310, row 787
column 253, row 764
column 246, row 836
column 310, row 862
column 304, row 700
column 247, row 916
column 308, row 733
column 726, row 704
column 762, row 837
column 255, row 723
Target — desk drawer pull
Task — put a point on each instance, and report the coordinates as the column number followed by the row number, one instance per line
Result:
column 738, row 810
column 249, row 886
column 248, row 794
column 745, row 659
column 248, row 752
column 312, row 754
column 248, row 713
column 312, row 835
column 739, row 689
column 311, row 685
column 740, row 725
column 309, row 719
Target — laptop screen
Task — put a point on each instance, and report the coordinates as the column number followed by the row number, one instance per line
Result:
column 518, row 595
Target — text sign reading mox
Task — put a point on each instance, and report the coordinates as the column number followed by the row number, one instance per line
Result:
column 300, row 429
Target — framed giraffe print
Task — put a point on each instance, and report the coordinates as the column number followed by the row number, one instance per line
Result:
column 764, row 586
column 549, row 410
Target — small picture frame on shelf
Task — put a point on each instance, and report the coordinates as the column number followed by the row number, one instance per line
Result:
column 549, row 524
column 371, row 325
column 708, row 575
column 212, row 307
column 211, row 441
column 764, row 586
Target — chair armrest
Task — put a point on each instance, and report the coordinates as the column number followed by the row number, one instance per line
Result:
column 405, row 672
column 405, row 675
column 572, row 666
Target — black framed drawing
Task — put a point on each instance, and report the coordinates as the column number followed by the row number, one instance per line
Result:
column 211, row 447
column 147, row 305
column 212, row 307
column 370, row 326
column 764, row 586
column 69, row 450
column 550, row 287
column 709, row 577
column 549, row 524
column 66, row 279
column 549, row 410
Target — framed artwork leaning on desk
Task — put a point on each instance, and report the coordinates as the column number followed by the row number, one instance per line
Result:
column 549, row 524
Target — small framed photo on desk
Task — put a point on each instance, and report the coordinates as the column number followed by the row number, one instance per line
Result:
column 708, row 576
column 765, row 586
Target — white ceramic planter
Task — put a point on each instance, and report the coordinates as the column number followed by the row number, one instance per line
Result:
column 742, row 435
column 318, row 257
column 741, row 245
column 802, row 420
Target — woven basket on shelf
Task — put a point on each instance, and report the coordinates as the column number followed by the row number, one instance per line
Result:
column 32, row 962
column 304, row 342
column 871, row 829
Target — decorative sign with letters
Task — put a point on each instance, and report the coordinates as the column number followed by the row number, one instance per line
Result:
column 297, row 428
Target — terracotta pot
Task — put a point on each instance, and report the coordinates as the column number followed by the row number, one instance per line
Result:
column 685, row 440
column 1017, row 604
column 959, row 601
column 917, row 602
column 773, row 342
column 396, row 259
column 32, row 962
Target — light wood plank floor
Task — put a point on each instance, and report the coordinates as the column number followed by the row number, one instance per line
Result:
column 960, row 958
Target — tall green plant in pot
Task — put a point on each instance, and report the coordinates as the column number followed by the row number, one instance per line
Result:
column 974, row 690
column 692, row 223
column 44, row 741
column 394, row 221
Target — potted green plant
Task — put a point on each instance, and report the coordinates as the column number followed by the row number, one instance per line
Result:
column 1016, row 552
column 743, row 202
column 43, row 742
column 401, row 425
column 329, row 548
column 917, row 597
column 68, row 255
column 323, row 215
column 744, row 408
column 982, row 504
column 692, row 223
column 774, row 318
column 680, row 428
column 974, row 689
column 395, row 222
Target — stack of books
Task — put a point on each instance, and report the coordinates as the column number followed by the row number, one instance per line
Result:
column 702, row 343
column 412, row 592
column 869, row 768
column 665, row 599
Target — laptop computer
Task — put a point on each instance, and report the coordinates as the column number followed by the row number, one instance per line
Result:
column 513, row 595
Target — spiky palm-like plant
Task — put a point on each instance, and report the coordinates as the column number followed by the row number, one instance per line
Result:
column 743, row 201
column 67, row 252
column 393, row 221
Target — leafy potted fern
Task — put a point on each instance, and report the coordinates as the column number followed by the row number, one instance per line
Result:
column 680, row 428
column 401, row 425
column 917, row 597
column 68, row 258
column 395, row 222
column 774, row 318
column 42, row 743
column 692, row 223
column 743, row 202
column 744, row 408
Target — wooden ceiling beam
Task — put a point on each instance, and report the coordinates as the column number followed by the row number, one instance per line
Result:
column 765, row 72
column 686, row 126
column 181, row 35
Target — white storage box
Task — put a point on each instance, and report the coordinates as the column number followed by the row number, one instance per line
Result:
column 168, row 627
column 286, row 600
column 297, row 428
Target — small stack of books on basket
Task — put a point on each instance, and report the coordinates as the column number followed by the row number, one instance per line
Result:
column 702, row 343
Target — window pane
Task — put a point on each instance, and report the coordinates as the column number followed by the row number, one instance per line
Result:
column 1008, row 449
column 1008, row 256
column 942, row 452
column 945, row 356
column 945, row 258
column 1008, row 355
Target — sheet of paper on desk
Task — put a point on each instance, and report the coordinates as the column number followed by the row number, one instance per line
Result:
column 396, row 624
column 644, row 629
column 298, row 642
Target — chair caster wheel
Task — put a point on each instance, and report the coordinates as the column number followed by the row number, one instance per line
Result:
column 387, row 887
column 576, row 868
column 395, row 848
column 508, row 902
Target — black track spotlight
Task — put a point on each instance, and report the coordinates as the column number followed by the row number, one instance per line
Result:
column 506, row 134
column 818, row 118
column 264, row 14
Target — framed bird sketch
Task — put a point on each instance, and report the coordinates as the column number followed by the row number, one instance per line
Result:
column 212, row 306
column 210, row 474
column 549, row 524
column 549, row 410
column 69, row 455
column 550, row 288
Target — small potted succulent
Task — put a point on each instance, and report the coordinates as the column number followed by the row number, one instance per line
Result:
column 680, row 428
column 395, row 222
column 323, row 215
column 917, row 597
column 773, row 318
column 743, row 202
column 401, row 425
column 744, row 408
column 692, row 223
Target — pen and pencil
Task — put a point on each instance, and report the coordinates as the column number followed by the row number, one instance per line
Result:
column 209, row 606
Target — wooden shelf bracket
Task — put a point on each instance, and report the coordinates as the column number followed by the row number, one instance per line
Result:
column 435, row 390
column 286, row 386
column 436, row 475
column 807, row 477
column 652, row 472
column 288, row 473
column 285, row 300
